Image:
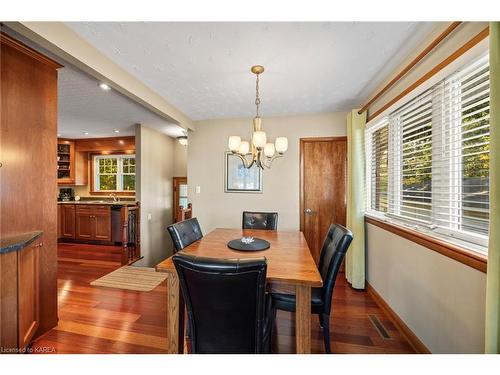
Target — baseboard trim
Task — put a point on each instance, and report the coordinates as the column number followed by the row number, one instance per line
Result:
column 414, row 341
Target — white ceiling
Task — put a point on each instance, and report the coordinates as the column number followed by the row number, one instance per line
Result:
column 203, row 68
column 84, row 107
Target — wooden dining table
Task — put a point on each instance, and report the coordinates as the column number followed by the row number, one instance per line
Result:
column 289, row 264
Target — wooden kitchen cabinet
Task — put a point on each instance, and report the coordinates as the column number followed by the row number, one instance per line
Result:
column 65, row 162
column 67, row 220
column 20, row 292
column 93, row 222
column 102, row 223
column 83, row 222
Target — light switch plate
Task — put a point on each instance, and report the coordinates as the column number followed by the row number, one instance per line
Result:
column 149, row 217
column 198, row 189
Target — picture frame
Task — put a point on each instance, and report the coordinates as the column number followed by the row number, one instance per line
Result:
column 238, row 179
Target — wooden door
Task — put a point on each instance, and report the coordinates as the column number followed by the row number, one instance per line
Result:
column 28, row 293
column 67, row 220
column 323, row 179
column 83, row 223
column 101, row 223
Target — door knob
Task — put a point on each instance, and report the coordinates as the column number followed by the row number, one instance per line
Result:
column 308, row 211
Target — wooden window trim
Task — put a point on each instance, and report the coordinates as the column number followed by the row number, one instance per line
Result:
column 455, row 252
column 92, row 187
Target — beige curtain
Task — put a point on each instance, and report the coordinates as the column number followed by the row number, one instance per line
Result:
column 355, row 258
column 492, row 344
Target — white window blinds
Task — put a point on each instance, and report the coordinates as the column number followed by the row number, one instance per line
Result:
column 428, row 162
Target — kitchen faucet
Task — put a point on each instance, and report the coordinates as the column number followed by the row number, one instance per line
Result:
column 115, row 198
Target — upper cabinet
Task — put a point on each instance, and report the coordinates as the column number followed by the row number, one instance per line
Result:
column 72, row 163
column 65, row 162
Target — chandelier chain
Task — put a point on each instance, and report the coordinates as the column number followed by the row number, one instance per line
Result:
column 257, row 95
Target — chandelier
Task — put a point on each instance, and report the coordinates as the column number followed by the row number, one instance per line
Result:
column 260, row 151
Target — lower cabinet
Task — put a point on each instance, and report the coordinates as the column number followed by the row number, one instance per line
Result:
column 28, row 292
column 19, row 296
column 93, row 222
column 67, row 220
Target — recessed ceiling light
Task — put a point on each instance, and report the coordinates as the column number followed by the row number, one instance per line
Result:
column 104, row 86
column 86, row 133
column 116, row 131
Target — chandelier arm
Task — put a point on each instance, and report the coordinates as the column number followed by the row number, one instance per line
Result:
column 270, row 160
column 244, row 160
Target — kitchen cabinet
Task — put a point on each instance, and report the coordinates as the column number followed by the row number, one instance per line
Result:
column 28, row 144
column 72, row 163
column 93, row 222
column 67, row 220
column 65, row 162
column 19, row 290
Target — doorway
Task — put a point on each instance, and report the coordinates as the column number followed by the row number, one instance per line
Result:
column 180, row 196
column 323, row 182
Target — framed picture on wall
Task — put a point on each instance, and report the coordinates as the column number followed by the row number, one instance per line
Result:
column 238, row 179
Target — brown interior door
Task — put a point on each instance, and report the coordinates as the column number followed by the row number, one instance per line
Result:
column 323, row 173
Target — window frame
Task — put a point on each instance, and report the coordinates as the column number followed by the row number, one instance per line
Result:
column 473, row 241
column 119, row 175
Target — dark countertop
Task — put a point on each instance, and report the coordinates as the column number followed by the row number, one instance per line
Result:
column 18, row 242
column 110, row 203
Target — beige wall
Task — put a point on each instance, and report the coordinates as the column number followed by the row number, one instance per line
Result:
column 155, row 169
column 180, row 160
column 207, row 145
column 455, row 40
column 441, row 300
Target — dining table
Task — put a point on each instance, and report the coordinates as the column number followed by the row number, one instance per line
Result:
column 289, row 265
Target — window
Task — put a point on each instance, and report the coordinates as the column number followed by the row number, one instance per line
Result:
column 114, row 173
column 428, row 161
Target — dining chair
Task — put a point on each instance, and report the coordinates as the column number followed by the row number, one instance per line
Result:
column 260, row 220
column 228, row 309
column 333, row 251
column 184, row 233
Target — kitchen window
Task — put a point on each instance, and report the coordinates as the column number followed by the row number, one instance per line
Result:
column 114, row 173
column 427, row 163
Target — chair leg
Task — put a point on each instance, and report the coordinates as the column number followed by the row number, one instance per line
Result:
column 325, row 323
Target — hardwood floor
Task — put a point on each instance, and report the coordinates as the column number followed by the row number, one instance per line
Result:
column 105, row 320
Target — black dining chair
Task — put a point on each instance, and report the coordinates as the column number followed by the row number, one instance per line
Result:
column 334, row 248
column 184, row 233
column 260, row 220
column 228, row 309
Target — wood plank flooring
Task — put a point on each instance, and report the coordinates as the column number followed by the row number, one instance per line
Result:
column 104, row 320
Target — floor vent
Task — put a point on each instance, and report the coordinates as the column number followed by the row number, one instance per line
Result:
column 379, row 327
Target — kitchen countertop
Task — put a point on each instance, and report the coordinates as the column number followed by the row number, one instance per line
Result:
column 110, row 203
column 18, row 242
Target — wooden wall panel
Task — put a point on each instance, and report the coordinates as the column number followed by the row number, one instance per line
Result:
column 28, row 139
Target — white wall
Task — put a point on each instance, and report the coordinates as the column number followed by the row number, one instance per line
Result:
column 441, row 300
column 155, row 169
column 207, row 145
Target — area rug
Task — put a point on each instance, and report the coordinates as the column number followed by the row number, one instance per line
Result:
column 141, row 279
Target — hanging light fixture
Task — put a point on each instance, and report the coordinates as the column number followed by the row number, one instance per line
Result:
column 262, row 153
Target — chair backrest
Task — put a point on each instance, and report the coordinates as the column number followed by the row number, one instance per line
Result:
column 225, row 301
column 184, row 233
column 260, row 220
column 334, row 248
